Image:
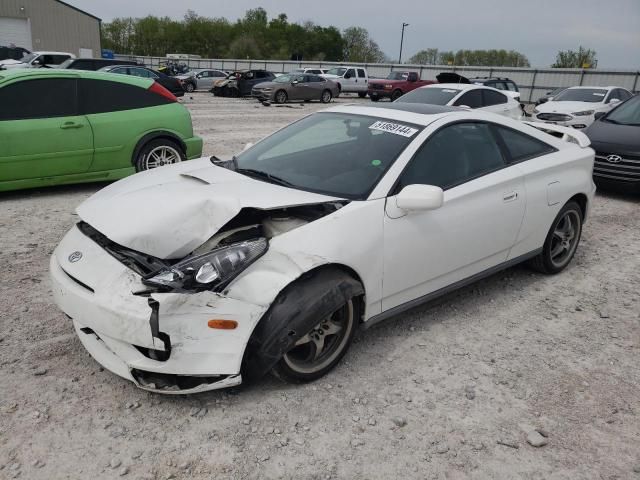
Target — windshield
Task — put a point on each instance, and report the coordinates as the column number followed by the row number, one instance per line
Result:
column 338, row 154
column 339, row 71
column 432, row 95
column 286, row 78
column 397, row 76
column 626, row 114
column 593, row 95
column 28, row 57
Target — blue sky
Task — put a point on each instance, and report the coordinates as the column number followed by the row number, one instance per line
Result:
column 537, row 28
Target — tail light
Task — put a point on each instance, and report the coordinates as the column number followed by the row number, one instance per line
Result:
column 163, row 92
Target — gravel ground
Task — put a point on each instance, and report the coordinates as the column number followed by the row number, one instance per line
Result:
column 453, row 390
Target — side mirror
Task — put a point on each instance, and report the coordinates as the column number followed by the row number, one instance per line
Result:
column 614, row 101
column 36, row 62
column 420, row 197
column 599, row 115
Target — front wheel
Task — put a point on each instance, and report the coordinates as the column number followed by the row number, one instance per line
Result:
column 189, row 87
column 326, row 96
column 362, row 94
column 562, row 240
column 281, row 96
column 320, row 349
column 396, row 95
column 374, row 98
column 157, row 153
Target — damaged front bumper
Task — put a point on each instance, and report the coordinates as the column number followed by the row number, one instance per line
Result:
column 159, row 341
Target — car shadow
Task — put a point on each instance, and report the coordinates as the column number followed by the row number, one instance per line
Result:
column 56, row 190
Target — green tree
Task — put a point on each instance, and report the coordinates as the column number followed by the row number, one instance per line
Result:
column 359, row 47
column 425, row 57
column 581, row 58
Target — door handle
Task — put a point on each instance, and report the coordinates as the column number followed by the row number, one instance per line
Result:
column 510, row 197
column 68, row 125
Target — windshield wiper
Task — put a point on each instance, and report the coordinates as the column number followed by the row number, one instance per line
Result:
column 250, row 172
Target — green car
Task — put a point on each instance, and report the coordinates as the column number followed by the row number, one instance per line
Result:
column 65, row 126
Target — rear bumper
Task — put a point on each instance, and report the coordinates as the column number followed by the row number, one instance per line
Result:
column 194, row 147
column 115, row 326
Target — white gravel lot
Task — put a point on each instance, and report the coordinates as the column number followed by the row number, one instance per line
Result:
column 446, row 391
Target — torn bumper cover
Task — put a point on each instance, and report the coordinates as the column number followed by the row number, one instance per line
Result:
column 159, row 341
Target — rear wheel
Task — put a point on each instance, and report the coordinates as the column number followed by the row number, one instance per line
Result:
column 396, row 95
column 562, row 240
column 157, row 153
column 326, row 96
column 281, row 96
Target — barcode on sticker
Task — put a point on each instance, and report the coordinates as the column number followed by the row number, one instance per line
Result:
column 394, row 128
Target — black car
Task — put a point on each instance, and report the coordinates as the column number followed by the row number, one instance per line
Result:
column 549, row 95
column 93, row 63
column 240, row 84
column 13, row 53
column 615, row 136
column 170, row 83
column 498, row 83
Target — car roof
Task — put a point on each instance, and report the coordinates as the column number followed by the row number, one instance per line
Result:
column 485, row 79
column 43, row 52
column 583, row 87
column 457, row 86
column 36, row 73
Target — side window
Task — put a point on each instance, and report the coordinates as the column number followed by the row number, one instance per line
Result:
column 83, row 65
column 454, row 155
column 351, row 73
column 217, row 74
column 33, row 99
column 413, row 77
column 512, row 86
column 317, row 79
column 492, row 98
column 100, row 96
column 205, row 74
column 521, row 146
column 624, row 95
column 261, row 74
column 472, row 99
column 58, row 59
column 120, row 70
column 361, row 73
column 497, row 85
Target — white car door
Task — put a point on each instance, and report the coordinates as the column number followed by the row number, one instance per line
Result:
column 349, row 84
column 474, row 230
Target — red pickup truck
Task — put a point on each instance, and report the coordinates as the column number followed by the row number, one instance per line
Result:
column 395, row 85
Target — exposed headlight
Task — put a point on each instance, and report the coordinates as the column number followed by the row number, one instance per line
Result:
column 583, row 113
column 212, row 270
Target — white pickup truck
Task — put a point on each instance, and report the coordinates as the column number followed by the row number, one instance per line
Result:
column 36, row 60
column 350, row 79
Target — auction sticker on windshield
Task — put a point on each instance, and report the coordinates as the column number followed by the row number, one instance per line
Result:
column 394, row 128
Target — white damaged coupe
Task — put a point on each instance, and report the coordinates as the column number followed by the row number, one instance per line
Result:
column 194, row 276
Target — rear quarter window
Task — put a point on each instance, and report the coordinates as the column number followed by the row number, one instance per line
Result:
column 101, row 96
column 521, row 146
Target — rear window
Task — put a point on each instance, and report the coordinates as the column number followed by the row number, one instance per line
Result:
column 431, row 95
column 100, row 96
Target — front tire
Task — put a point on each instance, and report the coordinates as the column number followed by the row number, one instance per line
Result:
column 281, row 97
column 374, row 98
column 396, row 95
column 562, row 240
column 189, row 88
column 157, row 153
column 320, row 349
column 326, row 96
column 362, row 94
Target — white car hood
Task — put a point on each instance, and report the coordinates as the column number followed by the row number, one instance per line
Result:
column 568, row 107
column 12, row 63
column 170, row 211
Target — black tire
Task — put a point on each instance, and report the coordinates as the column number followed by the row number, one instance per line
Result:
column 362, row 94
column 374, row 98
column 396, row 95
column 142, row 160
column 189, row 87
column 326, row 96
column 562, row 240
column 280, row 97
column 320, row 312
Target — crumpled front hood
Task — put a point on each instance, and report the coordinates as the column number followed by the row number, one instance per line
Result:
column 568, row 107
column 170, row 211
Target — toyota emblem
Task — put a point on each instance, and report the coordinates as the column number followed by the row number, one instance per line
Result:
column 614, row 158
column 75, row 256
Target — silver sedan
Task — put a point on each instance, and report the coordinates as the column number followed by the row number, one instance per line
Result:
column 294, row 86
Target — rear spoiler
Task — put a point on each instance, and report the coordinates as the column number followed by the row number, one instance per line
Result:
column 567, row 134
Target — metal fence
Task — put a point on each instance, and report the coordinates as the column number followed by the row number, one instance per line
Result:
column 532, row 82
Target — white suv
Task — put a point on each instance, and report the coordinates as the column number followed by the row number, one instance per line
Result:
column 37, row 59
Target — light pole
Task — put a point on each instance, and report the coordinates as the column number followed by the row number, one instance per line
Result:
column 401, row 40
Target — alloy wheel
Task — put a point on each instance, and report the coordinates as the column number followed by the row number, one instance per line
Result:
column 160, row 156
column 565, row 238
